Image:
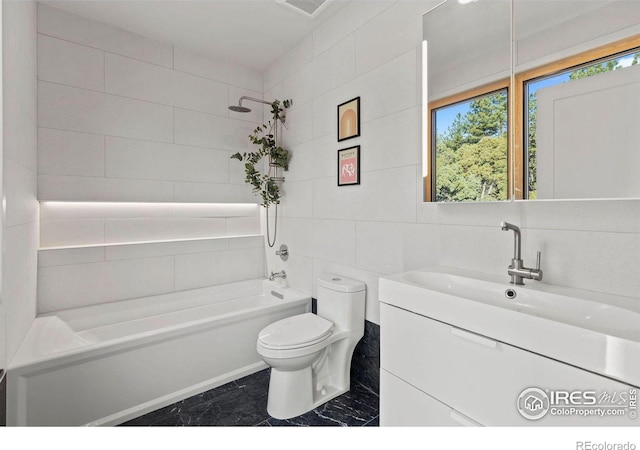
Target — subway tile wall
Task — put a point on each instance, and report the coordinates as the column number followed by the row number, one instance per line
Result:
column 373, row 50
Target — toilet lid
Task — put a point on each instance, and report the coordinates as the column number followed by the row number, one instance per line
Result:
column 295, row 332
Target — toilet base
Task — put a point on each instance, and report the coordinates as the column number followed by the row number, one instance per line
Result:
column 291, row 393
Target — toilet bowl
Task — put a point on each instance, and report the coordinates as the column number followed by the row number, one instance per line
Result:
column 309, row 354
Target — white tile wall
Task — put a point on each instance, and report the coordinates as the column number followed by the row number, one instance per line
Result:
column 404, row 22
column 70, row 153
column 76, row 277
column 74, row 285
column 68, row 108
column 382, row 226
column 58, row 233
column 383, row 195
column 200, row 94
column 242, row 77
column 192, row 63
column 19, row 191
column 148, row 104
column 19, row 144
column 82, row 188
column 136, row 159
column 211, row 268
column 132, row 78
column 126, row 119
column 350, row 18
column 136, row 230
column 63, row 25
column 295, row 59
column 398, row 77
column 209, row 192
column 67, row 63
column 334, row 67
column 19, row 166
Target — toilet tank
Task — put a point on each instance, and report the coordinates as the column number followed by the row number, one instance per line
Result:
column 341, row 300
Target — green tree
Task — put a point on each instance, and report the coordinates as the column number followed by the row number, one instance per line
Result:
column 471, row 156
column 585, row 72
column 532, row 147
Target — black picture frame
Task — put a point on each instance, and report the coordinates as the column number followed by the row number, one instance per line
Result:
column 345, row 178
column 346, row 113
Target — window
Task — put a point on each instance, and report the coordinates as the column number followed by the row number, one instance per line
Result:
column 469, row 146
column 618, row 55
column 530, row 100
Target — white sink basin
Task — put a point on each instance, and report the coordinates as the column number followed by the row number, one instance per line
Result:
column 597, row 332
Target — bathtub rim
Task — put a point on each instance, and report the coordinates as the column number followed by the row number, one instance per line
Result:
column 21, row 364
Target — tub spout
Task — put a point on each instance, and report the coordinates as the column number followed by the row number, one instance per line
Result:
column 282, row 274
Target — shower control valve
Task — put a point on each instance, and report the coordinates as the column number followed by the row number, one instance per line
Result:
column 283, row 253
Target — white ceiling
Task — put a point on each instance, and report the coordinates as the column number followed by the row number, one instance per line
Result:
column 252, row 33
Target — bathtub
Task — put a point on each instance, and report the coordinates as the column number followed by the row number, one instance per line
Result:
column 108, row 363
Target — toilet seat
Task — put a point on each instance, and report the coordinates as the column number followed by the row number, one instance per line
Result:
column 303, row 330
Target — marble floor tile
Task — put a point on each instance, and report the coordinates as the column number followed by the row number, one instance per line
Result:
column 244, row 403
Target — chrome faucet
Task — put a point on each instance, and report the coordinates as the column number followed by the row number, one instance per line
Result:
column 282, row 274
column 517, row 270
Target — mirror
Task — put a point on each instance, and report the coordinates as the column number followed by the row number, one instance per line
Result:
column 573, row 90
column 469, row 62
column 578, row 80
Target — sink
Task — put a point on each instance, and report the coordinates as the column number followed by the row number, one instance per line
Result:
column 597, row 332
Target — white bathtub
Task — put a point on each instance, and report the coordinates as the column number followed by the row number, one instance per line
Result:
column 106, row 364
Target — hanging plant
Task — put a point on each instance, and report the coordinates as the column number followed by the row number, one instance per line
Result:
column 265, row 138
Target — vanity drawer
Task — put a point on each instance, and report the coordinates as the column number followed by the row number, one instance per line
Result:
column 478, row 376
column 403, row 405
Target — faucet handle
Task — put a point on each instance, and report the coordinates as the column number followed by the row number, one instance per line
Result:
column 538, row 257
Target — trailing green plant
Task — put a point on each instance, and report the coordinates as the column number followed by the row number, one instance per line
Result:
column 265, row 138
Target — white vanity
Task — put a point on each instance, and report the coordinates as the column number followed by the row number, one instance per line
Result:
column 463, row 348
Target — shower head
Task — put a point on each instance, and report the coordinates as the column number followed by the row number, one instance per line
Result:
column 240, row 109
column 243, row 109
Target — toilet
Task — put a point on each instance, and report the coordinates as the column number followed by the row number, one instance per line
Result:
column 309, row 354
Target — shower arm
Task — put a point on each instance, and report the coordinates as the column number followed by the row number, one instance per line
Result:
column 244, row 97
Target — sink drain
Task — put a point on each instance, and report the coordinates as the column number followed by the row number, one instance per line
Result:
column 510, row 294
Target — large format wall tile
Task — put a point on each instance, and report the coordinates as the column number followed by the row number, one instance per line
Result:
column 125, row 118
column 67, row 63
column 131, row 78
column 70, row 153
column 70, row 286
column 68, row 108
column 136, row 159
column 70, row 27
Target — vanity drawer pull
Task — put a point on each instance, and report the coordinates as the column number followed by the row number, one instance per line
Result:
column 462, row 419
column 473, row 337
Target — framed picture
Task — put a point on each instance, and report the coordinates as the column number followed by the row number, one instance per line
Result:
column 349, row 166
column 349, row 119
